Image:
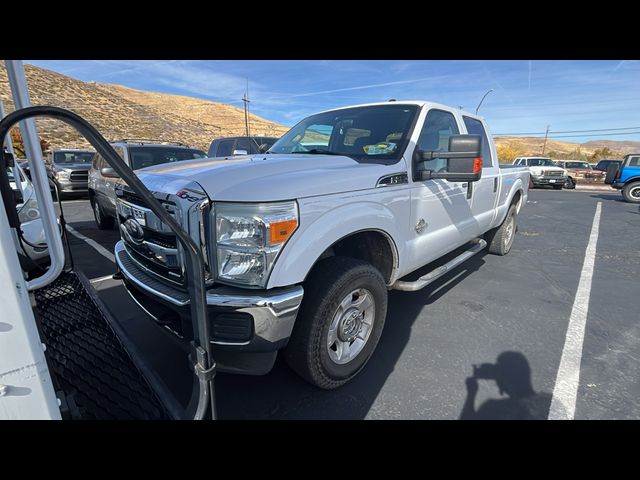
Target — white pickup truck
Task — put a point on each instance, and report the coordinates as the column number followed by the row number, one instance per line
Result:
column 303, row 242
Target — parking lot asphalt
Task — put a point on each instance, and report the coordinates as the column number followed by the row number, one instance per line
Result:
column 519, row 303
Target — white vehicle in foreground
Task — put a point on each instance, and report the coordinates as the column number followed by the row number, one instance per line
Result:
column 302, row 243
column 32, row 250
column 544, row 171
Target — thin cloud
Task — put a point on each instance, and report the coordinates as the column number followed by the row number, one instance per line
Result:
column 619, row 65
column 361, row 87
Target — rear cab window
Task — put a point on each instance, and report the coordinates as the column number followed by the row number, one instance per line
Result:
column 225, row 148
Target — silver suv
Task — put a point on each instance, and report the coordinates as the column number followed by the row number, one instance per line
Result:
column 137, row 153
column 68, row 167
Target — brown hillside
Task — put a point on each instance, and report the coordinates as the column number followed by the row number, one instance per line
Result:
column 120, row 112
column 528, row 146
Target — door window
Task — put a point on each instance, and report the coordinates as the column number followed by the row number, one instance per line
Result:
column 225, row 148
column 438, row 128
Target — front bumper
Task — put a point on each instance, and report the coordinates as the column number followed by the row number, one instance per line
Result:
column 548, row 180
column 242, row 320
column 73, row 186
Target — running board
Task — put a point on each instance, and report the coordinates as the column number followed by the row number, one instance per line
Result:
column 478, row 244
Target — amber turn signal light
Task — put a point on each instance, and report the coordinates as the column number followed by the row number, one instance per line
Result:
column 281, row 231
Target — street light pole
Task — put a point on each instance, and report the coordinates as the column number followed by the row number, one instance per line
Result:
column 478, row 107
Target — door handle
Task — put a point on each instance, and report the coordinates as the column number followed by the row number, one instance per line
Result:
column 464, row 185
column 495, row 184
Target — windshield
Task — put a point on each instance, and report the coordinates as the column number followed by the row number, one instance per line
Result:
column 577, row 165
column 541, row 162
column 70, row 158
column 142, row 157
column 374, row 133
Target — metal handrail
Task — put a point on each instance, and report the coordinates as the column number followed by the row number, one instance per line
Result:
column 39, row 178
column 204, row 366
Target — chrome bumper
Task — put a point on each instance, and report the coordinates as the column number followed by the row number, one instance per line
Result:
column 274, row 311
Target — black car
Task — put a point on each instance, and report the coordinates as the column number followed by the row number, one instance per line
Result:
column 604, row 164
column 228, row 146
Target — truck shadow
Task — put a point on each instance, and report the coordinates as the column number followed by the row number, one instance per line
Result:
column 609, row 196
column 283, row 395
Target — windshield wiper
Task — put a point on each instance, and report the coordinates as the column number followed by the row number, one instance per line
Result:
column 319, row 151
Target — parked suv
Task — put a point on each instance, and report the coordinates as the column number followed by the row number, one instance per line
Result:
column 226, row 147
column 603, row 165
column 543, row 171
column 69, row 168
column 626, row 178
column 137, row 154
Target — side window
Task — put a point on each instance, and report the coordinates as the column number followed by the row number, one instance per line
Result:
column 225, row 149
column 245, row 144
column 634, row 162
column 475, row 127
column 438, row 127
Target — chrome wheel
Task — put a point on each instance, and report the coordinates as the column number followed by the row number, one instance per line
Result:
column 635, row 192
column 351, row 326
column 508, row 231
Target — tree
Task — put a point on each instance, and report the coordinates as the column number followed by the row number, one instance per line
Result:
column 18, row 143
column 601, row 153
column 507, row 153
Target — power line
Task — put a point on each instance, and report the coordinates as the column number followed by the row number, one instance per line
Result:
column 567, row 131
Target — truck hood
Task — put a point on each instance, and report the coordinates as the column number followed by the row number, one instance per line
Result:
column 272, row 177
column 73, row 166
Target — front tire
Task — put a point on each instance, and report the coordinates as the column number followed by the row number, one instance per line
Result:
column 339, row 323
column 501, row 239
column 103, row 221
column 631, row 192
column 570, row 184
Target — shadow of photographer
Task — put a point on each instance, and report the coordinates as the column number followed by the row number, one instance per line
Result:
column 512, row 375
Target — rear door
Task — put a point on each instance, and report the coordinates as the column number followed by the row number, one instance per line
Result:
column 484, row 192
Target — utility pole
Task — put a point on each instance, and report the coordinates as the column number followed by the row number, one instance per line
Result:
column 544, row 145
column 245, row 99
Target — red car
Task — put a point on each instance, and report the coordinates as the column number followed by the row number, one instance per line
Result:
column 579, row 170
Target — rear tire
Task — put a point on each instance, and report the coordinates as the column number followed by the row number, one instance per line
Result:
column 631, row 192
column 339, row 323
column 103, row 221
column 501, row 239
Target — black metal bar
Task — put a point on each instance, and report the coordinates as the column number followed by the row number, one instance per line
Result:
column 195, row 262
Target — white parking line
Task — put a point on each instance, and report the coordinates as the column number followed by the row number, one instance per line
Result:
column 101, row 250
column 563, row 403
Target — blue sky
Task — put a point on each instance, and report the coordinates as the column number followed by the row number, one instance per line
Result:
column 528, row 95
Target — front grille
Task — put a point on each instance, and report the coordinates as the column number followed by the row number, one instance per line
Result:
column 151, row 244
column 79, row 176
column 553, row 173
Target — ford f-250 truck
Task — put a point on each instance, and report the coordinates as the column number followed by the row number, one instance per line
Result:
column 303, row 242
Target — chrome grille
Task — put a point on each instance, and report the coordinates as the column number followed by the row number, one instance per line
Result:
column 553, row 173
column 79, row 176
column 150, row 242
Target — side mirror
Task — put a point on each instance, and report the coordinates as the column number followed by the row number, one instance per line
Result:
column 240, row 152
column 464, row 160
column 109, row 172
column 263, row 148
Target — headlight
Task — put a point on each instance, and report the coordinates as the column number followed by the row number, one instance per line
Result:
column 536, row 172
column 29, row 211
column 249, row 237
column 62, row 174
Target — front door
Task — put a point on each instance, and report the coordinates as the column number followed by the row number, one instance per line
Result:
column 441, row 218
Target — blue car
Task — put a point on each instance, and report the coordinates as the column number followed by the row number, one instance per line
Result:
column 627, row 178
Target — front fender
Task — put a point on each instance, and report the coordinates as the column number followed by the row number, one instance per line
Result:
column 320, row 229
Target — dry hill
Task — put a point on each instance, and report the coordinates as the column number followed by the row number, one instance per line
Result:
column 121, row 112
column 528, row 146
